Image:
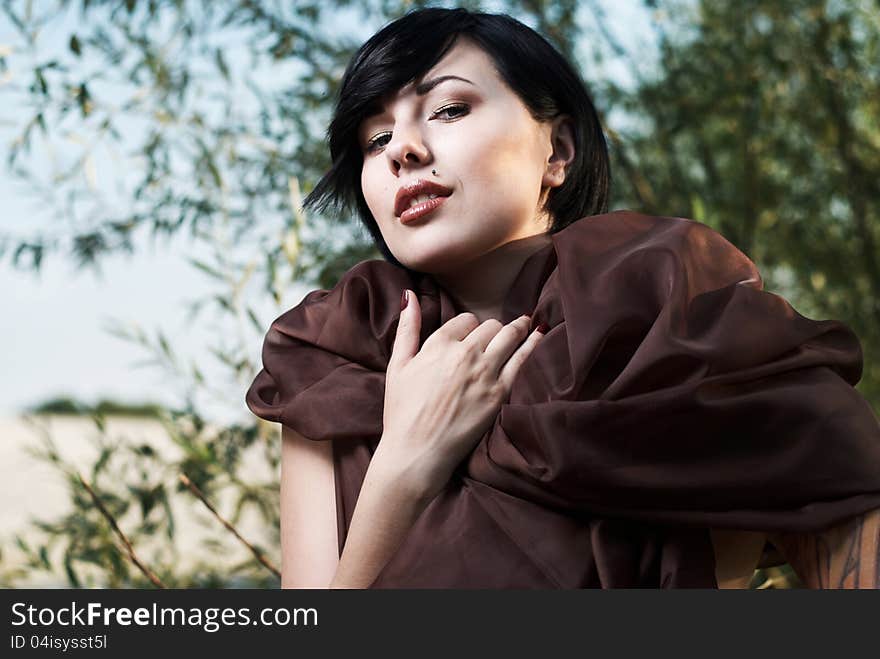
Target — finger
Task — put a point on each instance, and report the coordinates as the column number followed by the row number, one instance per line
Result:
column 511, row 367
column 458, row 327
column 409, row 326
column 500, row 347
column 484, row 333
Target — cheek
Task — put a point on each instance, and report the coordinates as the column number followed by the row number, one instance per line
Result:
column 370, row 188
column 379, row 197
column 366, row 188
column 507, row 169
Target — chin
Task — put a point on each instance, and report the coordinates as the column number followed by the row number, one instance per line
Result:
column 432, row 256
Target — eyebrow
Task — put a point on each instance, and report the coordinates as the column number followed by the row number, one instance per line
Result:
column 421, row 89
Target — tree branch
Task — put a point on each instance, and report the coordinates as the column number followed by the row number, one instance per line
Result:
column 192, row 487
column 148, row 573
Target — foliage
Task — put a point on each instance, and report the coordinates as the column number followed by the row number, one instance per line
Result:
column 764, row 122
column 138, row 486
column 105, row 408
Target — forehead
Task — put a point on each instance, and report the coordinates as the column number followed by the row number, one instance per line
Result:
column 465, row 59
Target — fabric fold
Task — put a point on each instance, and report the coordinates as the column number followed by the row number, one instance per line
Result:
column 672, row 394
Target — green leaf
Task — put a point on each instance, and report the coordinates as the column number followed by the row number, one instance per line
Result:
column 22, row 544
column 165, row 346
column 207, row 269
column 99, row 421
column 44, row 557
column 220, row 61
column 84, row 99
column 41, row 82
column 145, row 450
column 72, row 577
column 215, row 173
column 106, row 452
column 169, row 514
column 254, row 320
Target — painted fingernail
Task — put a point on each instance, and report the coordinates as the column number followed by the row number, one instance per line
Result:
column 404, row 299
column 543, row 328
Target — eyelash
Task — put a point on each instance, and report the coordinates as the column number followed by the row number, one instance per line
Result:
column 371, row 145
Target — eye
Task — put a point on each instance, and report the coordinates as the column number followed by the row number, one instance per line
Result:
column 455, row 106
column 461, row 110
column 372, row 143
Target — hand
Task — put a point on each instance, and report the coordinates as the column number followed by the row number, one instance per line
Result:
column 440, row 400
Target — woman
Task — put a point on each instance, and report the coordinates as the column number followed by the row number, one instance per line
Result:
column 565, row 397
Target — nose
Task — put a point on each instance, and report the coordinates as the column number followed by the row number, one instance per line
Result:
column 406, row 148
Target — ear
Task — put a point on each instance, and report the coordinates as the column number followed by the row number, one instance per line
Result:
column 563, row 143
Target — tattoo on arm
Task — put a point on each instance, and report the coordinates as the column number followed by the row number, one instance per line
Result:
column 843, row 556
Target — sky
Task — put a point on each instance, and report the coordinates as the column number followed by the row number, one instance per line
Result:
column 53, row 325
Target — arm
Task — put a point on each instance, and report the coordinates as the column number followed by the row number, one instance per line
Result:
column 388, row 505
column 844, row 556
column 440, row 398
column 309, row 543
column 386, row 509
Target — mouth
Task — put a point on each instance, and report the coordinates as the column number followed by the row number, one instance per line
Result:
column 419, row 197
column 421, row 209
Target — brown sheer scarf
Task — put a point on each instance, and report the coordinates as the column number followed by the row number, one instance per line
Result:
column 671, row 395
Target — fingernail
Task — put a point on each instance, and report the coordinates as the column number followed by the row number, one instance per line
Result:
column 404, row 300
column 543, row 328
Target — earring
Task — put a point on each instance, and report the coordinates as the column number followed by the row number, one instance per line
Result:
column 434, row 172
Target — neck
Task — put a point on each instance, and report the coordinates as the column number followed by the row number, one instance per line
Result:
column 481, row 285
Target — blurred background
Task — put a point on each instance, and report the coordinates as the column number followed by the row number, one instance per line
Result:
column 155, row 154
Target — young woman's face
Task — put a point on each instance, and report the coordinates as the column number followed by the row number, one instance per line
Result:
column 485, row 147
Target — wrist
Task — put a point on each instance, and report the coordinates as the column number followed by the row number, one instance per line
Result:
column 409, row 478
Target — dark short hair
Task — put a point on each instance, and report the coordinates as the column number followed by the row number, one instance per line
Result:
column 408, row 47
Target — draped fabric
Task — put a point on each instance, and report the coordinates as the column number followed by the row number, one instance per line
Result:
column 672, row 394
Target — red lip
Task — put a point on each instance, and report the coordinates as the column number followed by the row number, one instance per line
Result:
column 419, row 187
column 421, row 209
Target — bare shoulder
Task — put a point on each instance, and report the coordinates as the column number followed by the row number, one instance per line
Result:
column 737, row 554
column 309, row 540
column 292, row 441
